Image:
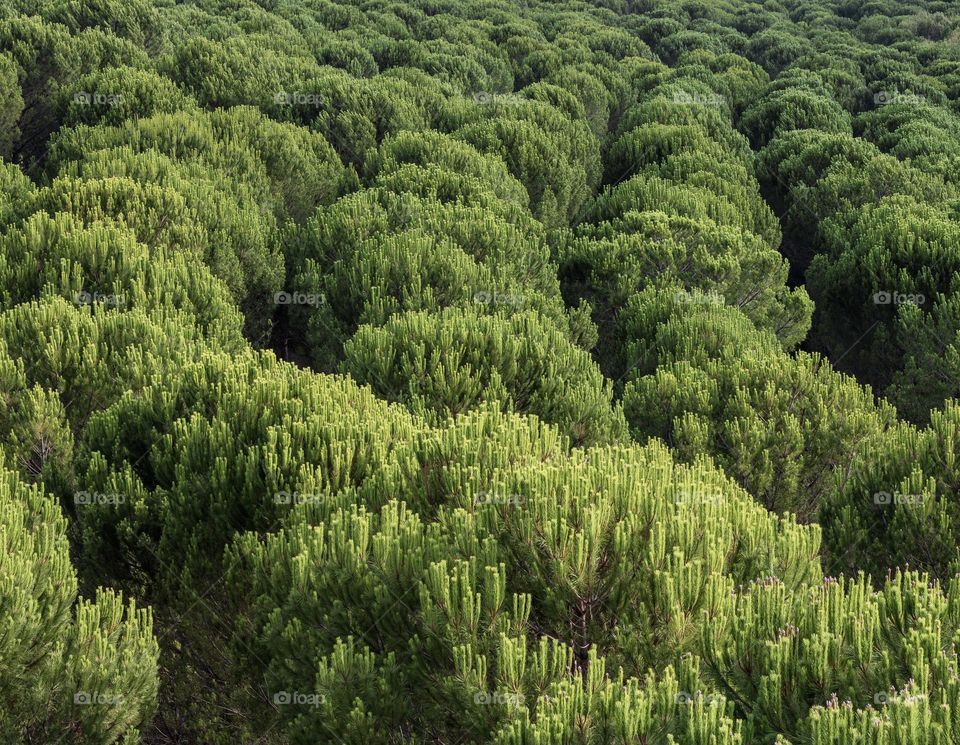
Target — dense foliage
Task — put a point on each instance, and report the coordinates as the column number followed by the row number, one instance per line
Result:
column 435, row 371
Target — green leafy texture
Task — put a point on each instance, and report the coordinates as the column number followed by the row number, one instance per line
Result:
column 704, row 380
column 555, row 157
column 104, row 264
column 931, row 368
column 896, row 252
column 838, row 661
column 12, row 106
column 113, row 95
column 363, row 607
column 692, row 215
column 375, row 254
column 465, row 189
column 216, row 447
column 444, row 364
column 897, row 506
column 70, row 671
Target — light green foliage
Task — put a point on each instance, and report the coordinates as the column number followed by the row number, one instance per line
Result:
column 85, row 667
column 116, row 94
column 807, row 664
column 445, row 372
column 104, row 264
column 15, row 192
column 198, row 461
column 445, row 363
column 461, row 609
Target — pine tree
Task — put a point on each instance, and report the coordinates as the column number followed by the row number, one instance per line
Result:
column 70, row 671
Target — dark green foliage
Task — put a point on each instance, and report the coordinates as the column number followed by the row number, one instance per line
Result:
column 703, row 379
column 12, row 106
column 898, row 504
column 789, row 108
column 267, row 429
column 435, row 371
column 445, row 363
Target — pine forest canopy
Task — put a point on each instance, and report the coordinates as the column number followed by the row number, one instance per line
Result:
column 479, row 371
